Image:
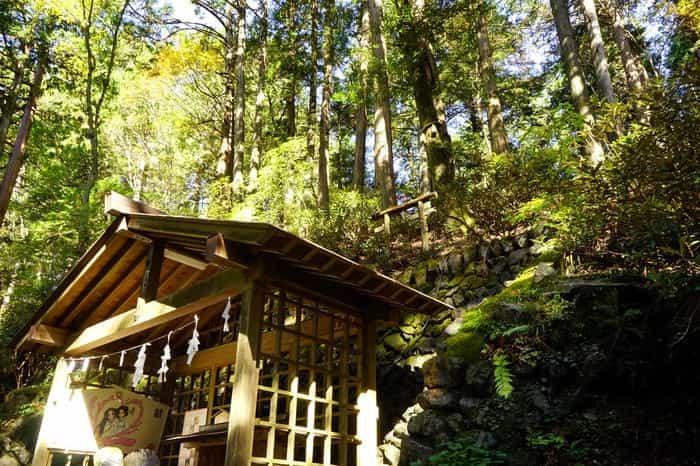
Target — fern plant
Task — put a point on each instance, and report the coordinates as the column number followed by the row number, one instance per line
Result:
column 502, row 376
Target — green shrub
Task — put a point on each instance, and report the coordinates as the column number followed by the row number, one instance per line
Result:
column 465, row 451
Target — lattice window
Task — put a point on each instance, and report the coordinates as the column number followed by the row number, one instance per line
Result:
column 191, row 392
column 311, row 356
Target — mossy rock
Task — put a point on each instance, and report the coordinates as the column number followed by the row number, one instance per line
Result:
column 548, row 251
column 414, row 319
column 465, row 346
column 433, row 265
column 472, row 282
column 456, row 281
column 437, row 329
column 406, row 275
column 396, row 342
column 421, row 275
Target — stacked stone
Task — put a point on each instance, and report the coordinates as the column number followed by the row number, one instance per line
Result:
column 461, row 279
column 444, row 409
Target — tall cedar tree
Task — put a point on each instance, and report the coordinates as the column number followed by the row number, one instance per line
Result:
column 568, row 49
column 497, row 129
column 325, row 121
column 600, row 61
column 358, row 169
column 383, row 151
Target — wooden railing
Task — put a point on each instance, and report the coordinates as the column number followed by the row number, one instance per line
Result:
column 422, row 202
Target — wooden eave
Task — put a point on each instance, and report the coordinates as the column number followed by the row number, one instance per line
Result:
column 106, row 280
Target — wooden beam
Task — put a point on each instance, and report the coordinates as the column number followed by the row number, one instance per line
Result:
column 239, row 442
column 184, row 258
column 123, row 230
column 118, row 204
column 170, row 253
column 47, row 335
column 217, row 356
column 177, row 305
column 406, row 205
column 226, row 354
column 219, row 252
column 151, row 276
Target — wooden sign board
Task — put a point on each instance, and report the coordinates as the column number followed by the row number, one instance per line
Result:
column 126, row 420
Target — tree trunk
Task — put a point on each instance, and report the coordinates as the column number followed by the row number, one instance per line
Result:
column 433, row 129
column 239, row 115
column 569, row 55
column 225, row 165
column 9, row 107
column 358, row 170
column 600, row 61
column 16, row 160
column 290, row 69
column 257, row 151
column 497, row 129
column 383, row 152
column 475, row 113
column 629, row 59
column 313, row 83
column 93, row 112
column 324, row 124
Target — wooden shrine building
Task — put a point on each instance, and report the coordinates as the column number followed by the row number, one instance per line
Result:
column 291, row 383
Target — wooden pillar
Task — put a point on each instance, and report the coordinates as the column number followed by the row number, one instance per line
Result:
column 60, row 388
column 368, row 417
column 239, row 443
column 387, row 226
column 151, row 276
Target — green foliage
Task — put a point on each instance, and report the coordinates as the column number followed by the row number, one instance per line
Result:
column 286, row 196
column 548, row 440
column 503, row 379
column 465, row 451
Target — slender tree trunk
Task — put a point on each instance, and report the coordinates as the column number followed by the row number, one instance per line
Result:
column 497, row 129
column 16, row 160
column 239, row 114
column 325, row 122
column 9, row 107
column 313, row 83
column 358, row 170
column 629, row 59
column 569, row 55
column 383, row 152
column 290, row 69
column 424, row 74
column 225, row 165
column 93, row 112
column 257, row 151
column 600, row 61
column 475, row 113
